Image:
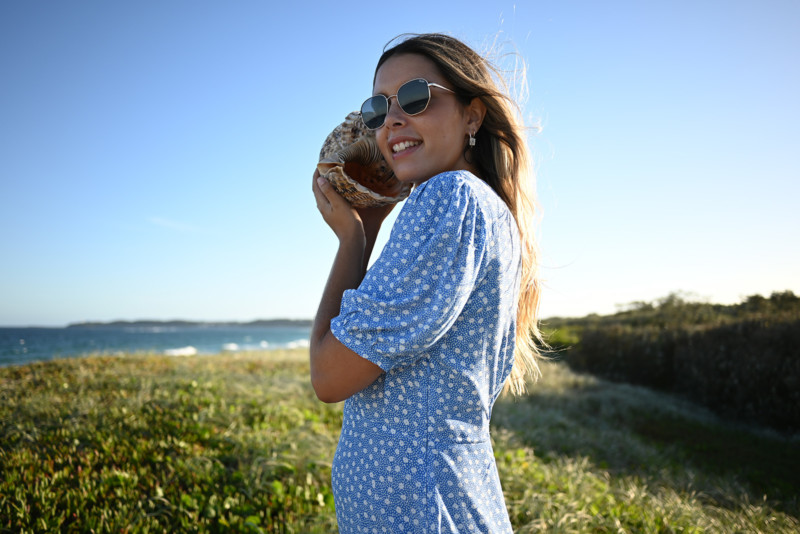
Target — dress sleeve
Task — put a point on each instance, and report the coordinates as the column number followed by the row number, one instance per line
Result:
column 419, row 285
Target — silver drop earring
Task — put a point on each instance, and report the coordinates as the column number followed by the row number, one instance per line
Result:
column 471, row 139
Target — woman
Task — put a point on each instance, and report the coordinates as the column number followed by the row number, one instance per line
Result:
column 422, row 344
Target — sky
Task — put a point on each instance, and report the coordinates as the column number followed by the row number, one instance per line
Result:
column 156, row 157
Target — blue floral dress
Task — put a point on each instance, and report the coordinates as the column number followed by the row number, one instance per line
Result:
column 437, row 312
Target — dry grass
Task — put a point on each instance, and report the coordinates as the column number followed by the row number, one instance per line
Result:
column 585, row 455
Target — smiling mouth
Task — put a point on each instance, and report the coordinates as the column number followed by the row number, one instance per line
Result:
column 399, row 147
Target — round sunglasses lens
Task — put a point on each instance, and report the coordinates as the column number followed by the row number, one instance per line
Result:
column 373, row 112
column 414, row 96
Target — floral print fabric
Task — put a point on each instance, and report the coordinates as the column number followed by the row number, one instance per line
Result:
column 437, row 313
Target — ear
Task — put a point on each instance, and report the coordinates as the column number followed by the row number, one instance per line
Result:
column 474, row 113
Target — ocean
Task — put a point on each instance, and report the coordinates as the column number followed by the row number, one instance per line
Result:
column 23, row 345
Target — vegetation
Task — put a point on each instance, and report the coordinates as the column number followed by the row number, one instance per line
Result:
column 238, row 443
column 741, row 361
column 158, row 444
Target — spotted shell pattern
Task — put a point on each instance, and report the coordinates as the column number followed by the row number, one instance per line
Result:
column 352, row 162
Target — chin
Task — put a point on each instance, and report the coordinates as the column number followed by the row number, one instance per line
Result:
column 405, row 176
column 413, row 176
column 415, row 180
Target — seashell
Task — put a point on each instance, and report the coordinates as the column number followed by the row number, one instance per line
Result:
column 352, row 162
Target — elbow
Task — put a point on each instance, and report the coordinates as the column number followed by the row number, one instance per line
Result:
column 326, row 387
column 324, row 390
column 327, row 398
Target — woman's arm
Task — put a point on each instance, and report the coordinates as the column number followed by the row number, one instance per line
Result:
column 336, row 371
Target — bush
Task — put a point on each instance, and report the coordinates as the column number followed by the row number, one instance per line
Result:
column 740, row 361
column 748, row 370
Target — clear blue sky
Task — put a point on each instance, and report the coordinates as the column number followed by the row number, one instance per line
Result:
column 155, row 157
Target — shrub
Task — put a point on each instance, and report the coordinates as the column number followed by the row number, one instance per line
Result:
column 742, row 361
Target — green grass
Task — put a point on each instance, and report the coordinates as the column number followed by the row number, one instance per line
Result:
column 238, row 443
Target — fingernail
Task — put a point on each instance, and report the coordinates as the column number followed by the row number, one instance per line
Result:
column 320, row 180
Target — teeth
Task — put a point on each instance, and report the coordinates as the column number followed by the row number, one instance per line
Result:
column 404, row 145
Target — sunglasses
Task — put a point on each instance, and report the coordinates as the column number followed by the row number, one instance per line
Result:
column 413, row 98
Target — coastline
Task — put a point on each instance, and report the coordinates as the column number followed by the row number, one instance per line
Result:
column 178, row 322
column 169, row 338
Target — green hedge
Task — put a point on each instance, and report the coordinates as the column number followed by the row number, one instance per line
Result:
column 749, row 370
column 741, row 361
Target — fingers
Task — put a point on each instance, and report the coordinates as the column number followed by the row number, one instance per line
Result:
column 333, row 207
column 323, row 205
column 335, row 200
column 314, row 181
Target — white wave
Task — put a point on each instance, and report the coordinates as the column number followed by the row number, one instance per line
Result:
column 183, row 351
column 230, row 347
column 298, row 344
column 264, row 344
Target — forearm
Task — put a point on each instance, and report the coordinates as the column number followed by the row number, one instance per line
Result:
column 349, row 267
column 336, row 371
column 346, row 273
column 371, row 232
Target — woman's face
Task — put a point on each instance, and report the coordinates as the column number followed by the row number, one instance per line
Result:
column 420, row 147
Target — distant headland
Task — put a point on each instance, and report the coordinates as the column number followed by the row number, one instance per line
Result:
column 149, row 324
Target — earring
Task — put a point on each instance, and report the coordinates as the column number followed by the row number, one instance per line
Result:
column 471, row 139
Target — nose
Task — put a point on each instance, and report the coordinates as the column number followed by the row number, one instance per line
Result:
column 394, row 116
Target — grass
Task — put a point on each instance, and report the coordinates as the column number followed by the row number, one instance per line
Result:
column 238, row 443
column 587, row 455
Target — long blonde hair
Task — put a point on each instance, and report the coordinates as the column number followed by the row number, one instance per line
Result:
column 503, row 159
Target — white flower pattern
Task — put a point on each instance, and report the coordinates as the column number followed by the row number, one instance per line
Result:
column 437, row 312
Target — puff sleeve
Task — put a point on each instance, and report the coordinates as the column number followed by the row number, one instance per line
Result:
column 419, row 285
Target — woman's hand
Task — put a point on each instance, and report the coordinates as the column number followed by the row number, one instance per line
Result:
column 342, row 217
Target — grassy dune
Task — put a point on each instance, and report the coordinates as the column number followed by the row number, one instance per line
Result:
column 238, row 443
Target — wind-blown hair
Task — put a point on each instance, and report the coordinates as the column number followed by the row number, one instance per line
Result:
column 503, row 160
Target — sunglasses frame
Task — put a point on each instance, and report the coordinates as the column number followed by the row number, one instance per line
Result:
column 388, row 98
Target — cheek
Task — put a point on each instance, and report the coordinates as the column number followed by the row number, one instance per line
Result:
column 381, row 137
column 448, row 143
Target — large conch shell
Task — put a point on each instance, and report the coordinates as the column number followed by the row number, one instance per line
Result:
column 352, row 162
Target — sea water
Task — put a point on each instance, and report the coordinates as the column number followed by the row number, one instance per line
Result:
column 22, row 345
